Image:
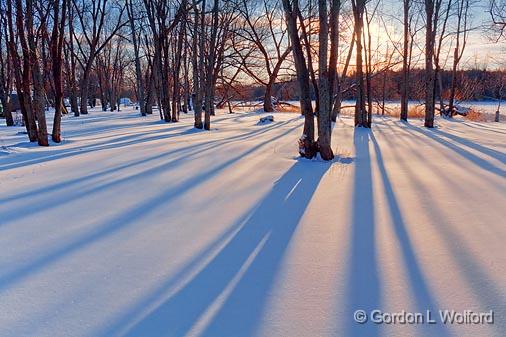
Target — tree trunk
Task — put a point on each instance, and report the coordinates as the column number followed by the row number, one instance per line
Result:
column 307, row 146
column 439, row 77
column 360, row 110
column 56, row 54
column 38, row 102
column 309, row 65
column 334, row 48
column 405, row 65
column 368, row 75
column 7, row 110
column 268, row 107
column 138, row 70
column 324, row 123
column 176, row 96
column 208, row 101
column 85, row 90
column 429, row 70
column 336, row 109
column 198, row 62
column 23, row 74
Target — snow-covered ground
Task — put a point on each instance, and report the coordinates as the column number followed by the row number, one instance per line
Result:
column 140, row 228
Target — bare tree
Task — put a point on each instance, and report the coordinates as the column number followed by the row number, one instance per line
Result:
column 409, row 29
column 461, row 37
column 497, row 11
column 134, row 36
column 265, row 35
column 198, row 43
column 361, row 119
column 209, row 75
column 29, row 81
column 431, row 17
column 99, row 21
column 71, row 61
column 5, row 69
column 307, row 146
column 57, row 38
column 336, row 109
column 325, row 91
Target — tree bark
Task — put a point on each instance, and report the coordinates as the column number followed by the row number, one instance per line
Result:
column 307, row 147
column 336, row 109
column 324, row 123
column 429, row 70
column 268, row 106
column 7, row 109
column 198, row 63
column 25, row 81
column 360, row 110
column 138, row 70
column 405, row 64
column 208, row 101
column 56, row 55
column 84, row 92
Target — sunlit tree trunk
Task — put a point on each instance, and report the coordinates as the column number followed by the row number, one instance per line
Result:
column 360, row 110
column 307, row 146
column 405, row 62
column 429, row 70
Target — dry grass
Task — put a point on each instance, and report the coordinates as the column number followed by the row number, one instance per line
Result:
column 286, row 107
column 417, row 111
column 476, row 116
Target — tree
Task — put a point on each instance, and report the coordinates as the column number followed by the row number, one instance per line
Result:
column 139, row 77
column 71, row 61
column 461, row 37
column 265, row 37
column 325, row 92
column 5, row 70
column 28, row 76
column 57, row 38
column 406, row 57
column 209, row 75
column 99, row 21
column 198, row 43
column 361, row 119
column 336, row 109
column 431, row 15
column 497, row 11
column 307, row 146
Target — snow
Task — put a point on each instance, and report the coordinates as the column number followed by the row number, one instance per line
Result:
column 140, row 228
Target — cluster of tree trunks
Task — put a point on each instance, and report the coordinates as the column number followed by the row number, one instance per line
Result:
column 185, row 52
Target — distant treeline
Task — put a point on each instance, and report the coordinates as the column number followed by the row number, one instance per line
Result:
column 472, row 84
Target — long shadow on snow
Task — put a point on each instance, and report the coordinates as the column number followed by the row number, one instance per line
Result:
column 118, row 142
column 101, row 129
column 141, row 122
column 186, row 152
column 484, row 164
column 363, row 284
column 478, row 147
column 419, row 288
column 227, row 297
column 131, row 216
column 194, row 264
column 491, row 296
column 415, row 138
column 482, row 127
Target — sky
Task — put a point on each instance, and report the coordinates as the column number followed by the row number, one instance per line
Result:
column 481, row 51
